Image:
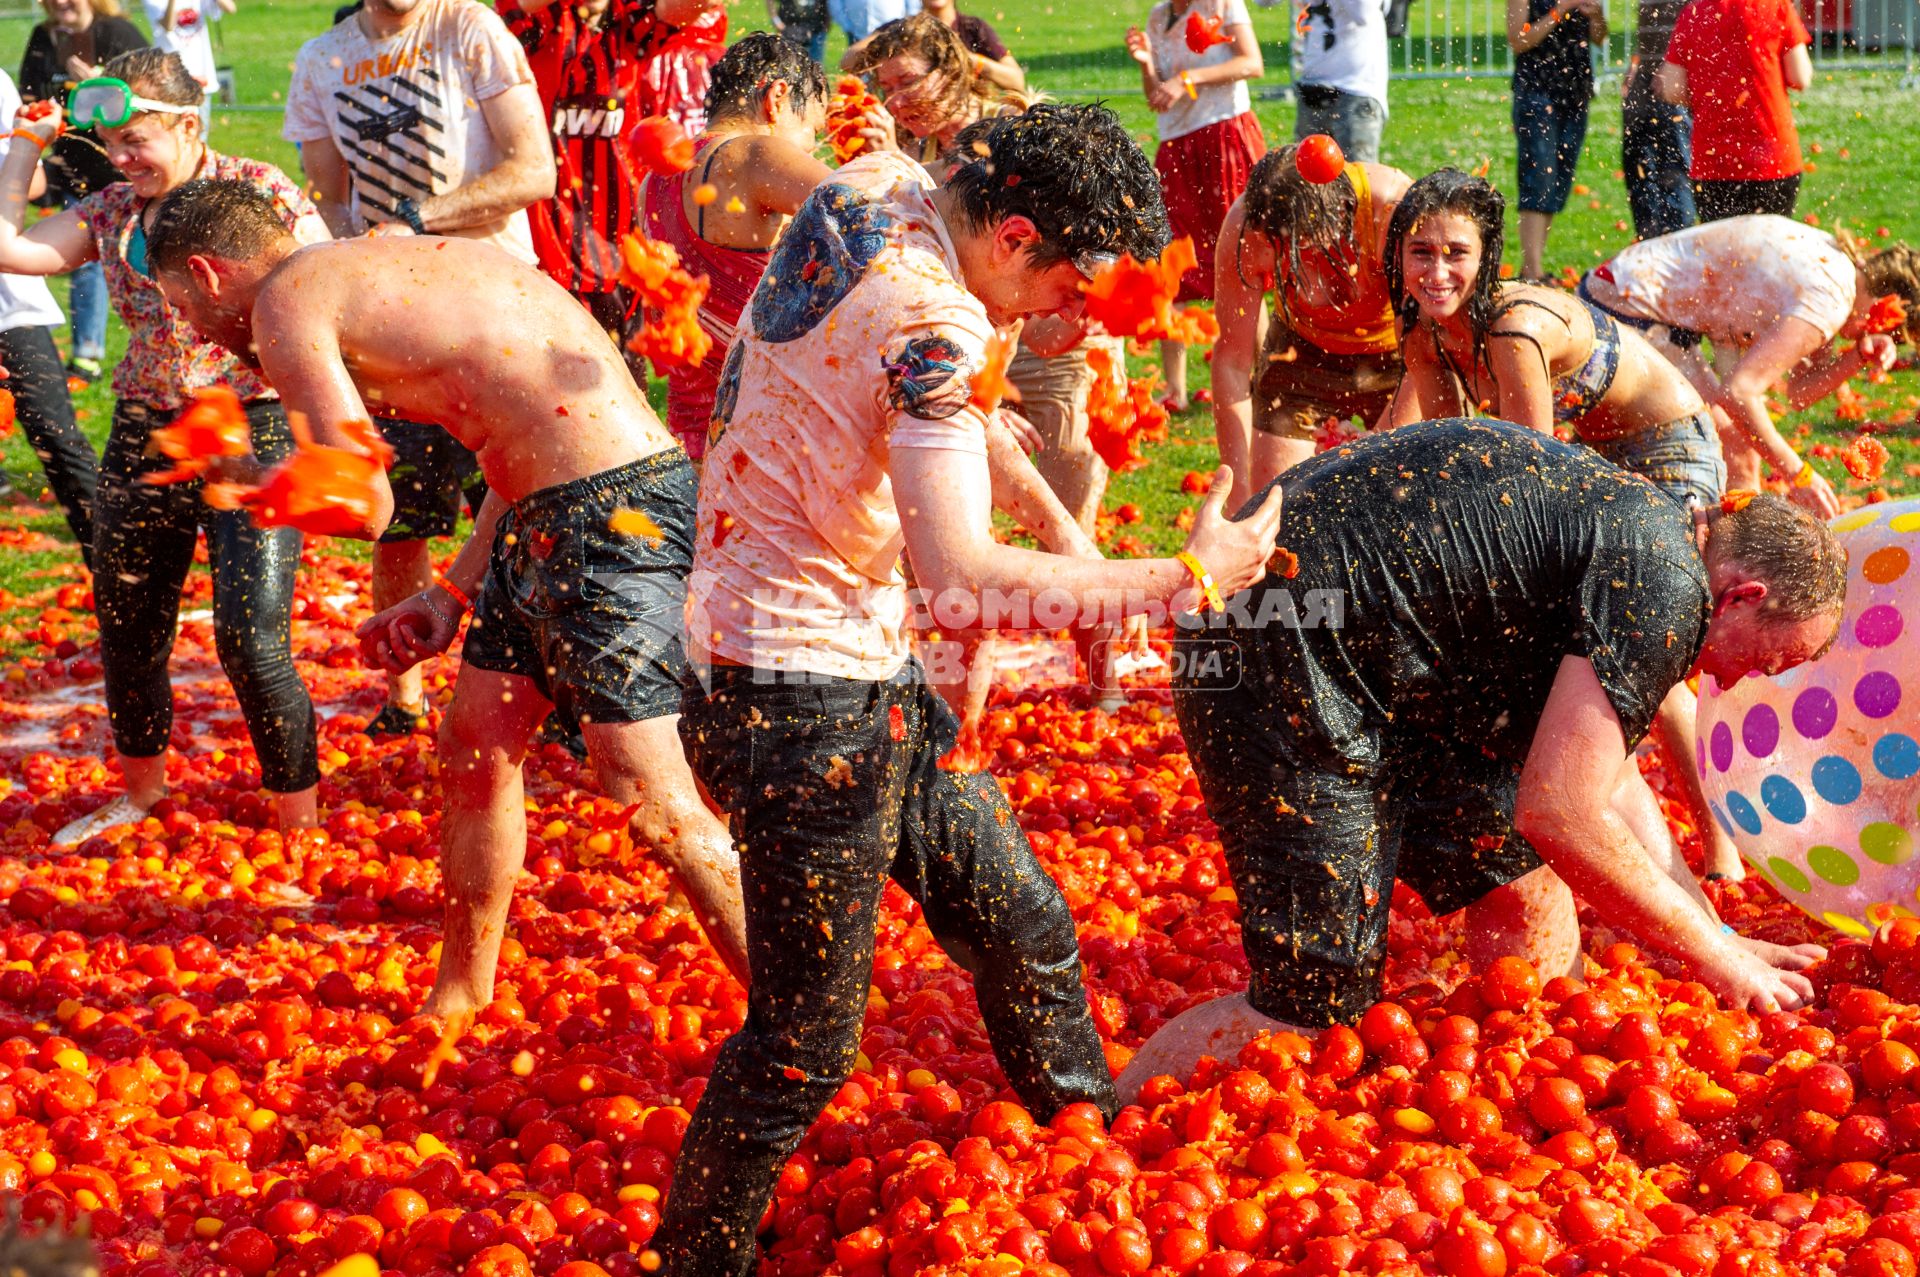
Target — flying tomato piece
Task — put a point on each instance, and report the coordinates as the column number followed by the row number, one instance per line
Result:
column 1203, row 33
column 661, row 146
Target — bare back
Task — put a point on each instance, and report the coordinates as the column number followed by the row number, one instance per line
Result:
column 457, row 333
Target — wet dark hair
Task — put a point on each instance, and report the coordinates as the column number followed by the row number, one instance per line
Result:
column 969, row 143
column 160, row 76
column 1295, row 214
column 213, row 217
column 1802, row 562
column 758, row 60
column 1451, row 191
column 1073, row 171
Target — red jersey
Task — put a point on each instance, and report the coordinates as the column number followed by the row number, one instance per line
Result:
column 595, row 84
column 1742, row 125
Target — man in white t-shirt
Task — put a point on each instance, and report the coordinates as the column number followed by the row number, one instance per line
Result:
column 1340, row 73
column 421, row 117
column 37, row 381
column 848, row 431
column 1778, row 293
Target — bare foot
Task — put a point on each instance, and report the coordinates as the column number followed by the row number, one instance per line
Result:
column 452, row 1002
column 1218, row 1028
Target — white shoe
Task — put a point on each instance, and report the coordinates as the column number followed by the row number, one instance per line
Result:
column 121, row 811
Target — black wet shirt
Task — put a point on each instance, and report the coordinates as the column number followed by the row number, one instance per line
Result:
column 1470, row 557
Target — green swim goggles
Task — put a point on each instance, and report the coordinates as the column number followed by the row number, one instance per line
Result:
column 106, row 102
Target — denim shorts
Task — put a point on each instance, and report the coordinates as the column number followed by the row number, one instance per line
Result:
column 1354, row 120
column 1679, row 457
column 1550, row 132
column 591, row 614
column 431, row 475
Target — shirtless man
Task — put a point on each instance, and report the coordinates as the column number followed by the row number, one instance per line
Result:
column 570, row 611
column 1329, row 348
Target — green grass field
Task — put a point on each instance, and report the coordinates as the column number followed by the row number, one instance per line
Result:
column 1852, row 123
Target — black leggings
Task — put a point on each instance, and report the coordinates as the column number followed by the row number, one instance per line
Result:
column 143, row 546
column 45, row 413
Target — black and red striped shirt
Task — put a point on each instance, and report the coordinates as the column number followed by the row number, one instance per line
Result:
column 596, row 83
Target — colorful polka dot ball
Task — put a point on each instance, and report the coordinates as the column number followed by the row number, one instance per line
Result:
column 1815, row 773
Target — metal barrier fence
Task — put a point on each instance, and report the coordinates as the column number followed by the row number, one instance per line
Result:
column 1455, row 38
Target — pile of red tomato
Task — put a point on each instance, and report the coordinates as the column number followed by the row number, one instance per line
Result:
column 206, row 1051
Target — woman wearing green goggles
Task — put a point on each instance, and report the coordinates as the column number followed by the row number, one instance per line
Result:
column 145, row 113
column 104, row 102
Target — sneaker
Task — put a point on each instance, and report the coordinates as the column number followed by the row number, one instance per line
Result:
column 121, row 811
column 396, row 720
column 83, row 370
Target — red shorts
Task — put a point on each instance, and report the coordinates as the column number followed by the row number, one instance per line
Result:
column 1201, row 174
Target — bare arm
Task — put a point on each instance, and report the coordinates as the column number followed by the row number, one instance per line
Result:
column 1564, row 809
column 1670, row 84
column 1020, row 492
column 1527, row 34
column 54, row 245
column 1743, row 394
column 1796, row 66
column 1521, row 379
column 525, row 174
column 945, row 498
column 1816, row 378
column 1427, row 391
column 1236, row 305
column 300, row 354
column 1245, row 64
column 329, row 183
column 1004, row 73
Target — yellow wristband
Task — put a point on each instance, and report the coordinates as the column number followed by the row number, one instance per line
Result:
column 1209, row 592
column 32, row 137
column 1804, row 479
column 1186, row 82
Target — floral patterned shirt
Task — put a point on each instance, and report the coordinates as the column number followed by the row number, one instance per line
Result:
column 166, row 359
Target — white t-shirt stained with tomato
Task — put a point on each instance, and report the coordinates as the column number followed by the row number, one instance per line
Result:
column 861, row 339
column 1734, row 278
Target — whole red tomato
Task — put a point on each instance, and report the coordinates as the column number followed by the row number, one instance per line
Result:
column 1320, row 159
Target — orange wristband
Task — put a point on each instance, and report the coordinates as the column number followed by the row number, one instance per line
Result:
column 453, row 591
column 29, row 135
column 1209, row 592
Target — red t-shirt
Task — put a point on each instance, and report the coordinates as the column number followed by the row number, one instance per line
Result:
column 1742, row 125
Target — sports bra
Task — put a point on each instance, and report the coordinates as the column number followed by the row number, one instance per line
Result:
column 1576, row 393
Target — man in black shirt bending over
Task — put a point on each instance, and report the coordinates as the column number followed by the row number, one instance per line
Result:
column 1512, row 611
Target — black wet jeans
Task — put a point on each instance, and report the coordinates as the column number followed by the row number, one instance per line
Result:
column 831, row 786
column 45, row 412
column 143, row 547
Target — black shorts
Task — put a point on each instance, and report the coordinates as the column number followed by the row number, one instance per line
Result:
column 1314, row 849
column 432, row 472
column 590, row 614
